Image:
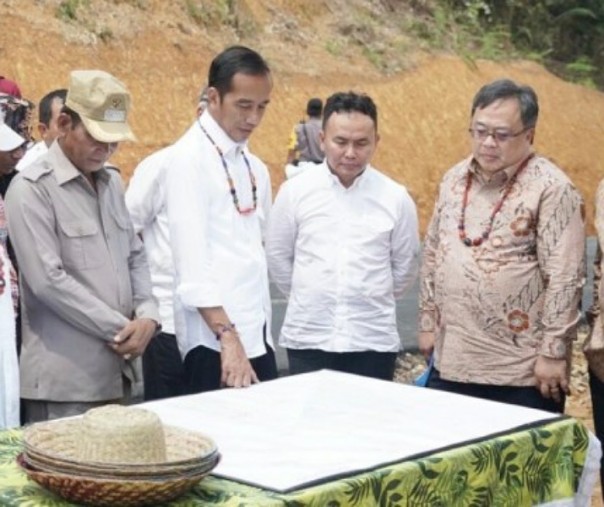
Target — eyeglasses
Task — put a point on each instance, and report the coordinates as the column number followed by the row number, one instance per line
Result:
column 500, row 136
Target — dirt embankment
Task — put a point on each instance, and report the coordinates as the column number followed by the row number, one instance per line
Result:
column 162, row 52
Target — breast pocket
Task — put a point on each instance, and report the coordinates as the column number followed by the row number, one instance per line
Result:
column 81, row 245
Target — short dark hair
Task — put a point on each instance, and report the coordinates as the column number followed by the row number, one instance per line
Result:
column 233, row 60
column 314, row 107
column 350, row 102
column 507, row 89
column 45, row 106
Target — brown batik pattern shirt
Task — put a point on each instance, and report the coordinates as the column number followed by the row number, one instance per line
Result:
column 495, row 307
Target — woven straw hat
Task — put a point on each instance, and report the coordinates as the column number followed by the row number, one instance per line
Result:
column 116, row 455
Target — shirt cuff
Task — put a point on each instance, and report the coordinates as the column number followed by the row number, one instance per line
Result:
column 426, row 321
column 555, row 347
column 199, row 296
column 148, row 310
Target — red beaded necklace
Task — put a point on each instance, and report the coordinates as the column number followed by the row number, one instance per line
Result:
column 233, row 191
column 462, row 220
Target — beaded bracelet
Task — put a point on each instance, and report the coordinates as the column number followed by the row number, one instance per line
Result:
column 224, row 328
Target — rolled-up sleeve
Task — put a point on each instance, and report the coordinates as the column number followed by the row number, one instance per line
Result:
column 32, row 227
column 188, row 205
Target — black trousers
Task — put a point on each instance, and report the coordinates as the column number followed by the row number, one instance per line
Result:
column 515, row 395
column 163, row 371
column 203, row 368
column 596, row 387
column 368, row 363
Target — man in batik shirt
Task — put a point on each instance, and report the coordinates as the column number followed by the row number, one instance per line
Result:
column 503, row 262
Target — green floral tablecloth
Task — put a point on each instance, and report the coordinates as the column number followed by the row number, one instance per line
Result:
column 528, row 467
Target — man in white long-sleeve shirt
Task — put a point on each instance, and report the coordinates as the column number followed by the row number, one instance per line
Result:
column 218, row 199
column 163, row 372
column 342, row 245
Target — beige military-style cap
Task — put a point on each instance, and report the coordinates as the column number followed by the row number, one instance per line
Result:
column 102, row 101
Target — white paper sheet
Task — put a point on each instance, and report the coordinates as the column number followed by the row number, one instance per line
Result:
column 298, row 429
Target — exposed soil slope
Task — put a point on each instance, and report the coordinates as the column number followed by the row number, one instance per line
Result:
column 162, row 54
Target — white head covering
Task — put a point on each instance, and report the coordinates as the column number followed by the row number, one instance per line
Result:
column 9, row 139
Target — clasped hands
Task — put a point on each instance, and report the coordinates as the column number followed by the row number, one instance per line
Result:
column 134, row 337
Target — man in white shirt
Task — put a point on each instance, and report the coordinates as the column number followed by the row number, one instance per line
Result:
column 342, row 244
column 163, row 372
column 49, row 110
column 218, row 200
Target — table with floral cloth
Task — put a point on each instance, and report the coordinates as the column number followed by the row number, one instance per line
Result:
column 544, row 462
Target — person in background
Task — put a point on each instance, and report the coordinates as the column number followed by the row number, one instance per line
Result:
column 305, row 143
column 9, row 87
column 49, row 110
column 503, row 262
column 342, row 245
column 305, row 147
column 87, row 305
column 218, row 198
column 11, row 153
column 10, row 144
column 163, row 373
column 16, row 113
column 595, row 319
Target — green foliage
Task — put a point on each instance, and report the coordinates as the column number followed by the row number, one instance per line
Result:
column 211, row 13
column 79, row 12
column 373, row 56
column 197, row 12
column 105, row 34
column 334, row 47
column 67, row 10
column 582, row 71
column 359, row 491
column 567, row 36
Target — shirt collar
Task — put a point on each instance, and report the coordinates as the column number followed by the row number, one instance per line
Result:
column 63, row 168
column 500, row 177
column 218, row 135
column 358, row 182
